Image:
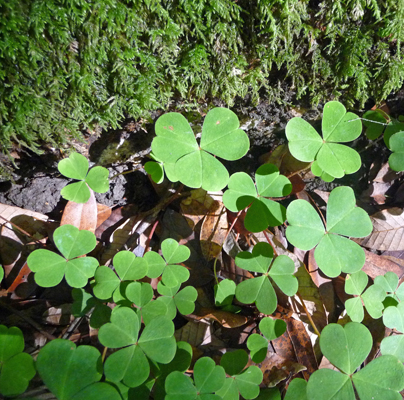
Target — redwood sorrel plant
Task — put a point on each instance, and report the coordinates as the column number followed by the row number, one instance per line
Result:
column 147, row 292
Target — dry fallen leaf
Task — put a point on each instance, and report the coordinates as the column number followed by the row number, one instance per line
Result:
column 214, row 230
column 195, row 207
column 81, row 215
column 379, row 186
column 195, row 333
column 225, row 318
column 287, row 164
column 103, row 213
column 378, row 265
column 19, row 229
column 302, row 346
column 388, row 231
column 276, row 368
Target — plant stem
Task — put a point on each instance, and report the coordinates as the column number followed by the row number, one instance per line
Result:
column 308, row 315
column 104, row 353
column 224, row 240
column 371, row 144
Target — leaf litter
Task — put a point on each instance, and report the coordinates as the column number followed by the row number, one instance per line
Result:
column 209, row 329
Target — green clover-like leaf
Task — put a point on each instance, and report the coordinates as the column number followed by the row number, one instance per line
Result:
column 224, row 292
column 317, row 171
column 260, row 290
column 393, row 318
column 246, row 382
column 393, row 345
column 196, row 166
column 272, row 328
column 389, row 283
column 376, row 128
column 334, row 253
column 106, row 282
column 393, row 127
column 173, row 253
column 76, row 167
column 155, row 170
column 73, row 373
column 85, row 303
column 157, row 340
column 338, row 126
column 208, row 378
column 258, row 347
column 127, row 266
column 372, row 298
column 130, row 364
column 183, row 300
column 263, row 212
column 72, row 242
column 297, row 390
column 346, row 348
column 179, row 363
column 257, row 344
column 16, row 368
column 50, row 267
column 381, row 379
column 234, row 362
column 180, row 386
column 396, row 160
column 123, row 330
column 140, row 293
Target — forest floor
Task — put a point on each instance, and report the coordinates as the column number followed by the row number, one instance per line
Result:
column 31, row 202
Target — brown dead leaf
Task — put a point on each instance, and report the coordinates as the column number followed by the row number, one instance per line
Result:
column 81, row 215
column 388, row 231
column 195, row 207
column 297, row 184
column 237, row 222
column 230, row 270
column 20, row 229
column 286, row 163
column 103, row 213
column 302, row 346
column 379, row 186
column 313, row 300
column 378, row 265
column 213, row 231
column 195, row 333
column 225, row 318
column 283, row 346
column 119, row 238
column 58, row 315
column 276, row 368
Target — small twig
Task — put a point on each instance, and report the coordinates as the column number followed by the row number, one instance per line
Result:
column 104, row 354
column 147, row 244
column 308, row 315
column 319, row 211
column 20, row 229
column 371, row 144
column 270, row 242
column 224, row 241
column 72, row 327
column 27, row 319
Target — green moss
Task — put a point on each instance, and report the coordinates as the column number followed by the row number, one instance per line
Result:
column 68, row 65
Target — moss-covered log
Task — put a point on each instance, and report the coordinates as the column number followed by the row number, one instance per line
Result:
column 68, row 64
